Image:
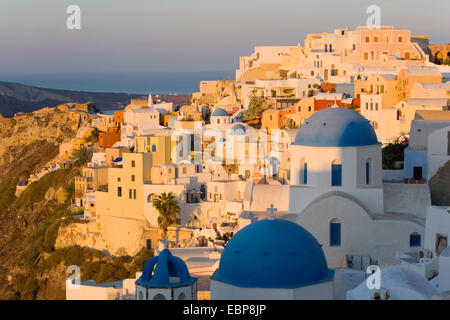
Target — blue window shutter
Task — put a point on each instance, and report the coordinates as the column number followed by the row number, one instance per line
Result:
column 367, row 172
column 335, row 234
column 153, row 148
column 305, row 173
column 414, row 240
column 336, row 174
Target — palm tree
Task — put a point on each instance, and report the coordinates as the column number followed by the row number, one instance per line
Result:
column 168, row 207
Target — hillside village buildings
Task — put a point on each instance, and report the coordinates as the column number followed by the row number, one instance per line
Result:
column 303, row 185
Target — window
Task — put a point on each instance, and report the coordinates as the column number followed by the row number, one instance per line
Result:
column 118, row 179
column 376, row 106
column 366, row 56
column 414, row 240
column 133, row 178
column 184, row 170
column 159, row 296
column 130, row 194
column 367, row 39
column 369, row 171
column 375, row 39
column 150, row 198
column 119, row 192
column 134, row 194
column 303, row 171
column 448, row 143
column 400, row 39
column 133, row 163
column 154, row 148
column 336, row 173
column 367, row 106
column 335, row 233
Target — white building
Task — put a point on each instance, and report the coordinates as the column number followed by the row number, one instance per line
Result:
column 397, row 283
column 428, row 149
column 338, row 195
column 139, row 122
column 220, row 117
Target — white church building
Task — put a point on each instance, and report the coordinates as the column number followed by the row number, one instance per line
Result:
column 338, row 195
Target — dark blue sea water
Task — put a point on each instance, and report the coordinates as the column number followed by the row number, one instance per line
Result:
column 140, row 83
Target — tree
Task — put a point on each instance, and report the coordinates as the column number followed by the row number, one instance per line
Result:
column 93, row 137
column 255, row 109
column 394, row 151
column 168, row 207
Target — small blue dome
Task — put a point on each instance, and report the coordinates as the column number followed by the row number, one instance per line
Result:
column 220, row 113
column 167, row 267
column 273, row 254
column 336, row 127
column 238, row 130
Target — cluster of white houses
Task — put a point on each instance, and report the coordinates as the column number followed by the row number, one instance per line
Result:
column 305, row 197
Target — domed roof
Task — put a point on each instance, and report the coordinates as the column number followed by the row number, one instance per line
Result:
column 219, row 112
column 273, row 254
column 238, row 130
column 336, row 127
column 170, row 271
column 402, row 284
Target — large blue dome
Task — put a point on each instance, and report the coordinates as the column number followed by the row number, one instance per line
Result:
column 273, row 254
column 336, row 127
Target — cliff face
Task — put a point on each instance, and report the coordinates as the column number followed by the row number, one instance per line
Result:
column 31, row 266
column 28, row 142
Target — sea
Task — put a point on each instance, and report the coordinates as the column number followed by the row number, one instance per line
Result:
column 125, row 82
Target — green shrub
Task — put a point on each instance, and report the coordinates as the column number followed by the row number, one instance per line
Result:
column 7, row 193
column 255, row 109
column 36, row 191
column 141, row 258
column 110, row 272
column 394, row 151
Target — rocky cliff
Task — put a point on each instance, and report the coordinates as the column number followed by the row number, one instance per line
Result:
column 30, row 265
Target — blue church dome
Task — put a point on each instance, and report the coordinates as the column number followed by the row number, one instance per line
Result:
column 336, row 127
column 238, row 130
column 273, row 254
column 220, row 113
column 166, row 268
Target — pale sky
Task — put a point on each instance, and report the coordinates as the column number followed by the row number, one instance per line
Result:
column 184, row 35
